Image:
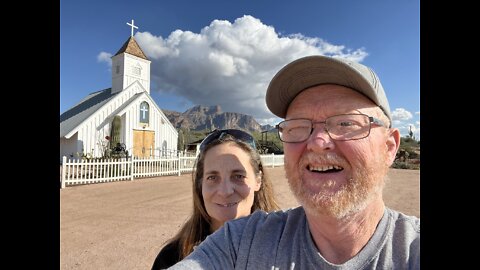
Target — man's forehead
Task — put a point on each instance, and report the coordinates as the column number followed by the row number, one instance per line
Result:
column 329, row 101
column 331, row 93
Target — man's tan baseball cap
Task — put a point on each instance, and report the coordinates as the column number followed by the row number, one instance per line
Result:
column 318, row 69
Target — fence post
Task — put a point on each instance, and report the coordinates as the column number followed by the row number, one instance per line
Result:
column 179, row 164
column 64, row 160
column 131, row 169
column 273, row 160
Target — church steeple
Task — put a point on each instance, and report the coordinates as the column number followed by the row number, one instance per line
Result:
column 130, row 64
column 131, row 46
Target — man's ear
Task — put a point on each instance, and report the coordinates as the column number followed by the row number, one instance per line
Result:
column 392, row 145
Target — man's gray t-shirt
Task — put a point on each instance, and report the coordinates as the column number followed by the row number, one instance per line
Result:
column 281, row 240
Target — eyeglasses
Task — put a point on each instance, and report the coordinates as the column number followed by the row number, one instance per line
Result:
column 236, row 133
column 342, row 127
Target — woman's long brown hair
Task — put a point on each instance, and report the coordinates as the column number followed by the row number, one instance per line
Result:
column 197, row 227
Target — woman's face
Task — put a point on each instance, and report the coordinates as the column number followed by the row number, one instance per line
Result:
column 228, row 183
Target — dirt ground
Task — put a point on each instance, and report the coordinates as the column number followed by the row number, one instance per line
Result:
column 123, row 225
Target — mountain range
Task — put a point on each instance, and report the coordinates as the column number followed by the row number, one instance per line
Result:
column 212, row 117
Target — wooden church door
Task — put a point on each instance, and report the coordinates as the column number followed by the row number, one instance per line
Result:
column 143, row 143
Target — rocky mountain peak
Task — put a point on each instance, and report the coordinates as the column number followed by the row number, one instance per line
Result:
column 199, row 109
column 211, row 117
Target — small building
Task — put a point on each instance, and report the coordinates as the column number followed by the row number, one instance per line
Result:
column 86, row 128
column 194, row 147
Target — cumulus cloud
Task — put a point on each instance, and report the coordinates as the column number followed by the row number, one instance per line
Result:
column 400, row 114
column 105, row 57
column 230, row 64
column 402, row 119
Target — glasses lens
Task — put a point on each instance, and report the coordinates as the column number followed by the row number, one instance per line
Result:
column 237, row 134
column 295, row 130
column 346, row 127
column 341, row 127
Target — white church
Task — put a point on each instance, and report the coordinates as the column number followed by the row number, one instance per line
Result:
column 144, row 129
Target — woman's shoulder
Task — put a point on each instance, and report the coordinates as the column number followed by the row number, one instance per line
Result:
column 167, row 256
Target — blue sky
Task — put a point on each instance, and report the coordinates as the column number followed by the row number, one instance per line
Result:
column 219, row 52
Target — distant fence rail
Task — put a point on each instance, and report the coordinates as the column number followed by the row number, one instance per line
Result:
column 79, row 172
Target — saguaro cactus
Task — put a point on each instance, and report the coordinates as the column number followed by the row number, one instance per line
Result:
column 115, row 131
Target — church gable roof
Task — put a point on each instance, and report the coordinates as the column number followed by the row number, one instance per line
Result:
column 132, row 47
column 73, row 117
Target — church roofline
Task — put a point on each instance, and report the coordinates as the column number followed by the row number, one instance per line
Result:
column 72, row 119
column 131, row 47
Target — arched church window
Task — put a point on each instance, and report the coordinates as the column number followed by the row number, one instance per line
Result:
column 144, row 112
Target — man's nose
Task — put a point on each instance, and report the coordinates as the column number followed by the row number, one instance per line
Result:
column 319, row 140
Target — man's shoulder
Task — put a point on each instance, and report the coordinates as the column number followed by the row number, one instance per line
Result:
column 404, row 237
column 279, row 215
column 262, row 226
column 403, row 221
column 404, row 229
column 261, row 218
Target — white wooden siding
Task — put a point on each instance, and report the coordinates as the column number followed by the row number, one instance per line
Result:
column 92, row 132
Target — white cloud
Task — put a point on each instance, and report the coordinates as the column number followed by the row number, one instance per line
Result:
column 229, row 64
column 400, row 114
column 402, row 119
column 105, row 57
column 416, row 133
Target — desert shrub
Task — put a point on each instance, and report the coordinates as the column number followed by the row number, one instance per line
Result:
column 405, row 165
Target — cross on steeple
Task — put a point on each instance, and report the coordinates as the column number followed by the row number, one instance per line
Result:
column 133, row 26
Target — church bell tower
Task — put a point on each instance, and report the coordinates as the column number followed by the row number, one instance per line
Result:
column 130, row 64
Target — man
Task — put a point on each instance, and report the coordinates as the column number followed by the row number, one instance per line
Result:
column 339, row 145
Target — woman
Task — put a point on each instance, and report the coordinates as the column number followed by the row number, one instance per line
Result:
column 228, row 182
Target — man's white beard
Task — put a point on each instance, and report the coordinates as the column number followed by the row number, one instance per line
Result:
column 365, row 184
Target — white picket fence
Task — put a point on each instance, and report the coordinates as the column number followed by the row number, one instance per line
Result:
column 78, row 172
